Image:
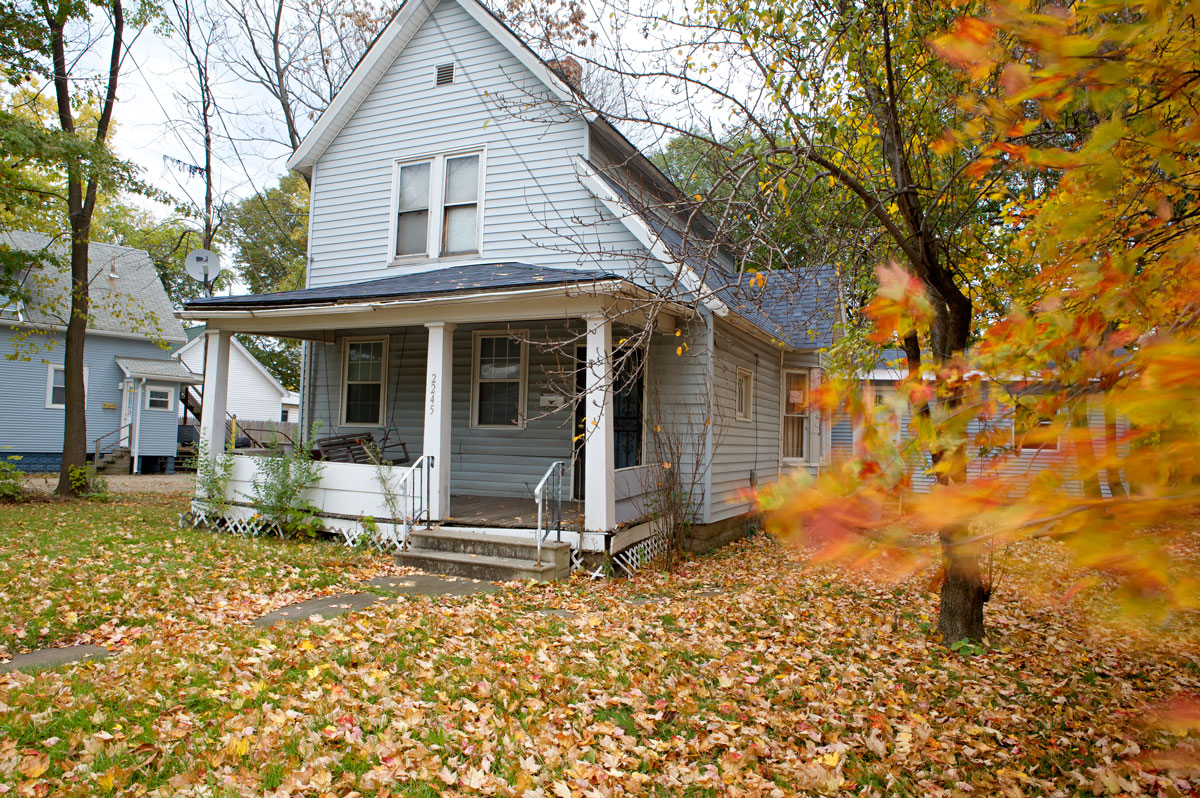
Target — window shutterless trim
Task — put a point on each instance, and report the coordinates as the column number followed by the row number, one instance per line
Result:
column 784, row 415
column 383, row 380
column 50, row 369
column 747, row 413
column 437, row 207
column 161, row 389
column 521, row 336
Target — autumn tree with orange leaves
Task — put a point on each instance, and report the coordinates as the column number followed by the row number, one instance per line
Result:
column 1110, row 328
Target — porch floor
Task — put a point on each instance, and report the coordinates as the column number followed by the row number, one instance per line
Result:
column 508, row 513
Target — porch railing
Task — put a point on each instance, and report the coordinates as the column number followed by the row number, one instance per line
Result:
column 414, row 497
column 548, row 495
column 99, row 451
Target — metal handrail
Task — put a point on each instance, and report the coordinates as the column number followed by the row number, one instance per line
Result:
column 117, row 431
column 539, row 496
column 419, row 507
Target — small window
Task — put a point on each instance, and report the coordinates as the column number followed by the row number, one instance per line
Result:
column 10, row 307
column 445, row 74
column 412, row 212
column 283, row 414
column 1041, row 440
column 461, row 220
column 745, row 395
column 158, row 398
column 499, row 388
column 56, row 387
column 795, row 415
column 365, row 370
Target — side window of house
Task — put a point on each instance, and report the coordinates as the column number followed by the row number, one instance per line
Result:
column 499, row 388
column 56, row 387
column 158, row 397
column 744, row 409
column 1036, row 436
column 795, row 415
column 441, row 193
column 365, row 372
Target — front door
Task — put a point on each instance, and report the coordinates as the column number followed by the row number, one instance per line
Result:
column 126, row 413
column 628, row 413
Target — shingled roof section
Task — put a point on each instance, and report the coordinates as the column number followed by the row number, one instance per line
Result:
column 132, row 301
column 440, row 282
column 800, row 307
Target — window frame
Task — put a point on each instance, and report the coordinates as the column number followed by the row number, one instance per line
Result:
column 522, row 337
column 806, row 443
column 383, row 381
column 747, row 413
column 435, row 232
column 644, row 452
column 50, row 369
column 12, row 308
column 1022, row 447
column 163, row 388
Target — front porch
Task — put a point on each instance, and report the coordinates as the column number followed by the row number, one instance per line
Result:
column 513, row 425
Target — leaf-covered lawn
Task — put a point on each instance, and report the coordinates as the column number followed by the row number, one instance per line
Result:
column 82, row 571
column 742, row 674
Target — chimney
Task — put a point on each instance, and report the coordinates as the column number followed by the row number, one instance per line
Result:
column 569, row 70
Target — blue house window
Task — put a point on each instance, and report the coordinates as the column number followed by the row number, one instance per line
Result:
column 56, row 387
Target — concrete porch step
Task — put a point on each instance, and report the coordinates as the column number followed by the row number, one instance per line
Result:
column 523, row 547
column 481, row 566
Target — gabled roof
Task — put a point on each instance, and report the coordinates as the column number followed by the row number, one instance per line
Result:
column 800, row 307
column 452, row 280
column 196, row 339
column 133, row 302
column 384, row 50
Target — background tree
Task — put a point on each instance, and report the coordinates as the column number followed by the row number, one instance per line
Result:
column 56, row 43
column 1112, row 328
column 829, row 112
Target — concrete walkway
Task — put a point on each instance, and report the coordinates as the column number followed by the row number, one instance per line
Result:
column 322, row 607
column 52, row 658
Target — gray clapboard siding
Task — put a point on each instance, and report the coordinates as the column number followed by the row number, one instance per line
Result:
column 484, row 462
column 679, row 402
column 534, row 208
column 27, row 425
column 744, row 450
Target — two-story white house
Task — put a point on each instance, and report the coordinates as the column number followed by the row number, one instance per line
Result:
column 498, row 280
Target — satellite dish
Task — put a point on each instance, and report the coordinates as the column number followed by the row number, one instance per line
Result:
column 202, row 265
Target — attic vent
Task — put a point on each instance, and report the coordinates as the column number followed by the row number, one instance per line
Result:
column 445, row 74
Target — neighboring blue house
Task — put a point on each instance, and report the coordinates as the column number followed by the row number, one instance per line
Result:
column 132, row 382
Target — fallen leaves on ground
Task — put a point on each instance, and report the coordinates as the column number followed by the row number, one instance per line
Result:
column 103, row 572
column 743, row 673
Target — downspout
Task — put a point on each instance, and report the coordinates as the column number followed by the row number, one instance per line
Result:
column 137, row 425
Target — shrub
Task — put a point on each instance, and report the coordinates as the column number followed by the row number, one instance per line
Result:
column 277, row 487
column 10, row 479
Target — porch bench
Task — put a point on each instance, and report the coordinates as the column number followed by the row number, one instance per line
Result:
column 352, row 448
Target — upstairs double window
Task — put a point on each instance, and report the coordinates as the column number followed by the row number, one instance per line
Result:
column 437, row 203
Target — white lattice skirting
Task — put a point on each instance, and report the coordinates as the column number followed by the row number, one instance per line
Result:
column 630, row 560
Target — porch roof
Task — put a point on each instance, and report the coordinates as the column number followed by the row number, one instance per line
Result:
column 469, row 279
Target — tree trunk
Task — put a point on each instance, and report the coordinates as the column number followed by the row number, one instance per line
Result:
column 963, row 593
column 74, row 453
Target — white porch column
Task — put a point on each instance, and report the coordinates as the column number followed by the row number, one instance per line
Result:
column 438, row 372
column 599, row 504
column 216, row 385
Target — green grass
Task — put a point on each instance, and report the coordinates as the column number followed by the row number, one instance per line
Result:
column 70, row 567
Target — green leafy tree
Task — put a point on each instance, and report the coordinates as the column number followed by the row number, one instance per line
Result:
column 48, row 44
